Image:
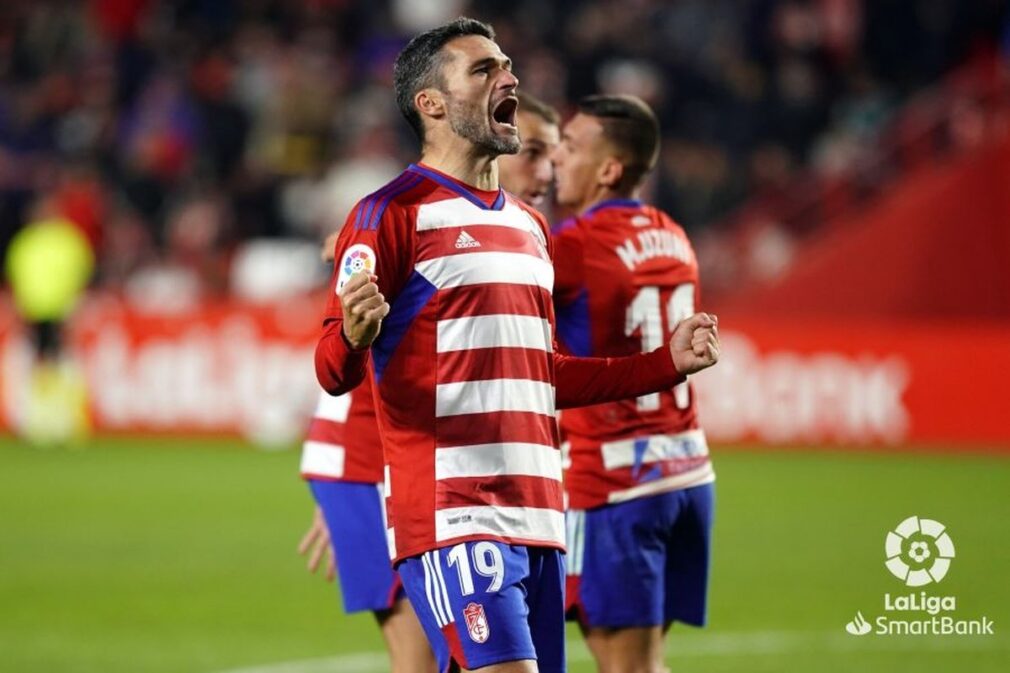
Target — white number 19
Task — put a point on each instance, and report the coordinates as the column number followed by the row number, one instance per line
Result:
column 487, row 560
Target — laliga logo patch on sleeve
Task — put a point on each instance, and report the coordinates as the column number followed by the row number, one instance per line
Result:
column 358, row 257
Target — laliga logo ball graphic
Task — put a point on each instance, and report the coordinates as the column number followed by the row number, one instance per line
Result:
column 358, row 257
column 359, row 260
column 918, row 551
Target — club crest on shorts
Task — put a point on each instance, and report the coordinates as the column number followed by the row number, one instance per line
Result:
column 476, row 622
column 358, row 257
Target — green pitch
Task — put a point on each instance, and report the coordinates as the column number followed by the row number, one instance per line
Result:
column 176, row 557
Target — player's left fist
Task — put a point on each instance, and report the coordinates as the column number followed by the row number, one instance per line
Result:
column 695, row 343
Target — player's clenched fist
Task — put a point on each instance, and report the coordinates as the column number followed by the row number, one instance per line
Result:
column 364, row 308
column 695, row 343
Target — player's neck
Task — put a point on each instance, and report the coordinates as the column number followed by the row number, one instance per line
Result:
column 461, row 160
column 601, row 194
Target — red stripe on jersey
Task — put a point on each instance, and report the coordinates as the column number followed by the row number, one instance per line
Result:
column 497, row 427
column 492, row 299
column 326, row 431
column 481, row 364
column 507, row 490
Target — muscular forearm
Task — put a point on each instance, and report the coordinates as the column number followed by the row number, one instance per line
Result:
column 584, row 381
column 339, row 368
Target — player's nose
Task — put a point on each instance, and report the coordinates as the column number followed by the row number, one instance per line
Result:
column 508, row 80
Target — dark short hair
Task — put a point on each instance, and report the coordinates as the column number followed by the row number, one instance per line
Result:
column 631, row 127
column 530, row 103
column 420, row 63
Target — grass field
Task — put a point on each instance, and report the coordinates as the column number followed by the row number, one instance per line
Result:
column 176, row 557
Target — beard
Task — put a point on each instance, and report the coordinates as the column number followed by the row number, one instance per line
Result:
column 470, row 121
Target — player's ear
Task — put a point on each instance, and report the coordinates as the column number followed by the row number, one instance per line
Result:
column 611, row 172
column 430, row 103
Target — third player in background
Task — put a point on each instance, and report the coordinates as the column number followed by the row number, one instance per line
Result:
column 639, row 482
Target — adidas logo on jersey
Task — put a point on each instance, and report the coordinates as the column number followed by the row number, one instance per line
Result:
column 465, row 240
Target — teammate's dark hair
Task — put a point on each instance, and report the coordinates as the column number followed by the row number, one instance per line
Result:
column 630, row 125
column 531, row 103
column 420, row 63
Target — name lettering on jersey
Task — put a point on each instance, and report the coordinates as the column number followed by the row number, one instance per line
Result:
column 653, row 243
column 465, row 240
column 358, row 257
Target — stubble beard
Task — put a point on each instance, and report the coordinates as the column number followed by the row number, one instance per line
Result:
column 469, row 121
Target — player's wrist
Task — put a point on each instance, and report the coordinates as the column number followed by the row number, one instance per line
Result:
column 350, row 343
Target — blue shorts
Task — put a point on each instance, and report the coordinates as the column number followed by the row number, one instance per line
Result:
column 354, row 515
column 643, row 562
column 485, row 602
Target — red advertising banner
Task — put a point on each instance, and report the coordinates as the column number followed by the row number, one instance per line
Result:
column 245, row 370
column 859, row 382
column 224, row 368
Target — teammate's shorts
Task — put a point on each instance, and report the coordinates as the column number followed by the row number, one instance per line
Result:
column 484, row 603
column 643, row 562
column 354, row 515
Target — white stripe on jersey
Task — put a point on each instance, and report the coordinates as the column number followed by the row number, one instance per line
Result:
column 689, row 444
column 459, row 212
column 476, row 268
column 526, row 523
column 506, row 458
column 491, row 395
column 697, row 477
column 575, row 523
column 333, row 408
column 325, row 460
column 494, row 331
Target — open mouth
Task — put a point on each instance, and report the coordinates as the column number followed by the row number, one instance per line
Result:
column 504, row 113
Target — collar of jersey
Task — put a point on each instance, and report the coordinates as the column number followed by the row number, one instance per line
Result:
column 458, row 187
column 613, row 203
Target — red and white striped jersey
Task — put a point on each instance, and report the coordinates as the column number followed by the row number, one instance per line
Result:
column 465, row 366
column 626, row 275
column 343, row 442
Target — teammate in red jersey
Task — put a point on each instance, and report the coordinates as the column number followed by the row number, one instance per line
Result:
column 640, row 479
column 342, row 463
column 442, row 293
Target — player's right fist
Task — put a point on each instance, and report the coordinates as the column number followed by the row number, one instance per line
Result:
column 695, row 343
column 364, row 308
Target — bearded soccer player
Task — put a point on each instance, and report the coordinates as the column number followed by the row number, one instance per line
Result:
column 640, row 480
column 442, row 296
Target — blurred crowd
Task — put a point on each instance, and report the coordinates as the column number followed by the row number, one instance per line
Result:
column 172, row 133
